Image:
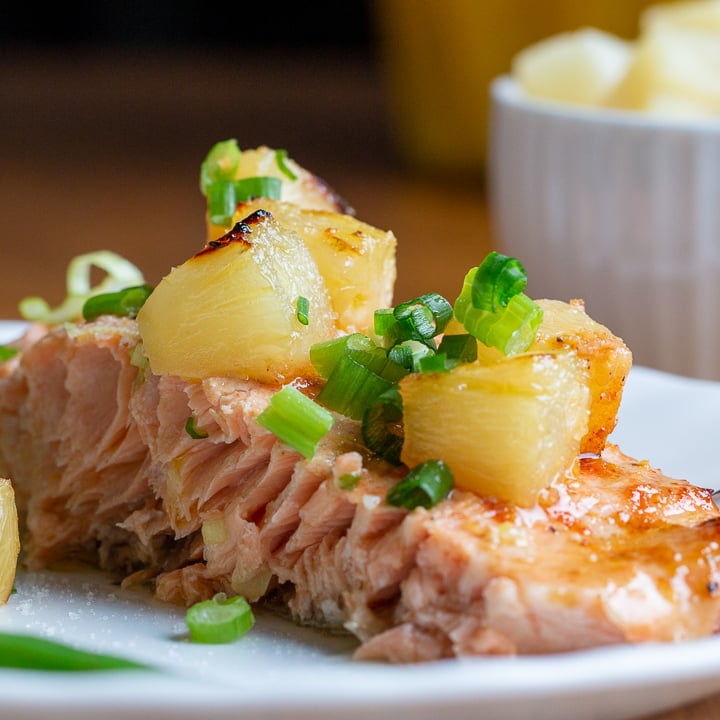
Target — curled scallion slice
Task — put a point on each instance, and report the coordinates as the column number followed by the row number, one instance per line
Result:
column 498, row 278
column 120, row 274
column 512, row 329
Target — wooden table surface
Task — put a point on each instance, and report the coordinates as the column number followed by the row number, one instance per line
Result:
column 101, row 152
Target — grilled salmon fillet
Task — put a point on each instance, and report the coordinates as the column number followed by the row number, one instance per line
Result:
column 105, row 472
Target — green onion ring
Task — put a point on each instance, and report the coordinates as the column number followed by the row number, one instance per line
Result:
column 424, row 486
column 219, row 620
column 498, row 278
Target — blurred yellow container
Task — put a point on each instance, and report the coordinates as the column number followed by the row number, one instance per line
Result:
column 438, row 58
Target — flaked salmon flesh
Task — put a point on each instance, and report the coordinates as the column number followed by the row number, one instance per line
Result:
column 105, row 472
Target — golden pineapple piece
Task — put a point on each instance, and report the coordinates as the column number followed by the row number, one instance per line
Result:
column 507, row 429
column 306, row 190
column 608, row 359
column 9, row 539
column 232, row 309
column 702, row 15
column 356, row 260
column 580, row 66
column 568, row 326
column 674, row 72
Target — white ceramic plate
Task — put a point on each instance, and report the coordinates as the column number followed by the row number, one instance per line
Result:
column 279, row 671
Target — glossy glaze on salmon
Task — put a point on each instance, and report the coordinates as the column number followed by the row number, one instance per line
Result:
column 105, row 471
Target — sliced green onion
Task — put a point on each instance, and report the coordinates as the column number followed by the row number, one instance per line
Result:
column 280, row 159
column 7, row 352
column 461, row 347
column 192, row 430
column 325, row 355
column 498, row 278
column 224, row 195
column 303, row 308
column 258, row 187
column 437, row 362
column 402, row 354
column 415, row 321
column 463, row 303
column 424, row 317
column 120, row 274
column 219, row 620
column 296, row 419
column 28, row 652
column 383, row 321
column 126, row 302
column 222, row 202
column 424, row 486
column 382, row 426
column 409, row 353
column 511, row 329
column 358, row 379
column 517, row 325
column 221, row 163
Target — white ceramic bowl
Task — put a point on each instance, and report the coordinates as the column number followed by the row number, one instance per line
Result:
column 619, row 209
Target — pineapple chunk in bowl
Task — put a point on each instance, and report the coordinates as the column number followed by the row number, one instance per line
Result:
column 614, row 200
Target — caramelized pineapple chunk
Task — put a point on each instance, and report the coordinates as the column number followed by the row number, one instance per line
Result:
column 506, row 429
column 568, row 326
column 305, row 189
column 232, row 309
column 9, row 539
column 356, row 260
